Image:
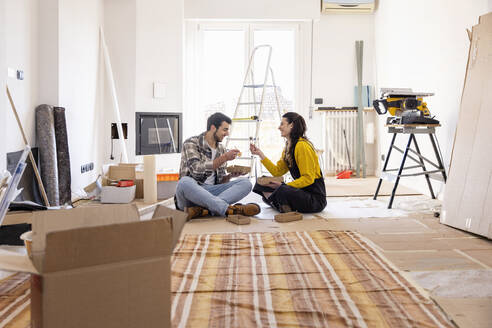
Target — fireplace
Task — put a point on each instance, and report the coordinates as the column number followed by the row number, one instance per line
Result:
column 158, row 133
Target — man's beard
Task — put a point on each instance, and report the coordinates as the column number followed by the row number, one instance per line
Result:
column 216, row 138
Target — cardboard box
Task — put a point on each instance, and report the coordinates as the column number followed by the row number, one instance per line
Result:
column 468, row 194
column 124, row 171
column 100, row 266
column 166, row 189
column 117, row 195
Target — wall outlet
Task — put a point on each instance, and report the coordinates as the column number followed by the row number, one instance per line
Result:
column 87, row 167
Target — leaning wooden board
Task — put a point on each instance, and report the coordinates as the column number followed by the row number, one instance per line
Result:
column 468, row 194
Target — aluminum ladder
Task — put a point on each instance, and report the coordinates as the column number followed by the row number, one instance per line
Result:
column 254, row 106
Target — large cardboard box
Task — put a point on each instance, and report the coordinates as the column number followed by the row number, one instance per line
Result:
column 101, row 266
column 468, row 195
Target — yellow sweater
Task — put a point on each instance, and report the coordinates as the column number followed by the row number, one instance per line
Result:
column 307, row 162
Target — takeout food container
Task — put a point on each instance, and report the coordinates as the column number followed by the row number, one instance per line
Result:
column 27, row 238
column 238, row 169
column 265, row 181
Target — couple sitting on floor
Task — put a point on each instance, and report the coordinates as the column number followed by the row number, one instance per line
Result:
column 205, row 189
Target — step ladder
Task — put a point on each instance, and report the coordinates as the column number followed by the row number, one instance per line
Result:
column 249, row 109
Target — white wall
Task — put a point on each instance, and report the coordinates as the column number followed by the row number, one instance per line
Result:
column 335, row 70
column 120, row 35
column 79, row 84
column 3, row 78
column 159, row 41
column 145, row 41
column 252, row 9
column 423, row 45
column 21, row 45
column 56, row 44
column 48, row 52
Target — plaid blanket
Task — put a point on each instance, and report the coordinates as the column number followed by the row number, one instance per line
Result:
column 295, row 279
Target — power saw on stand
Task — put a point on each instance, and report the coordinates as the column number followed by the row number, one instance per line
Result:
column 406, row 106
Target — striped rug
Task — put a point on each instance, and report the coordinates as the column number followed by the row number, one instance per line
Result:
column 294, row 279
column 15, row 301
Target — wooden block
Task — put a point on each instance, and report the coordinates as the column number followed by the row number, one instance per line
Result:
column 239, row 219
column 288, row 217
column 150, row 179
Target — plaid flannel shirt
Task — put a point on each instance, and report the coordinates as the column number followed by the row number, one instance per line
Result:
column 197, row 161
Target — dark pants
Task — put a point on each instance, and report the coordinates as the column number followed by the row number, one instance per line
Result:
column 297, row 199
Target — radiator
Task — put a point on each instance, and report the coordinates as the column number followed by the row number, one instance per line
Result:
column 336, row 157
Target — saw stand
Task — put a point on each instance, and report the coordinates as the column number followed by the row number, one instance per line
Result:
column 439, row 173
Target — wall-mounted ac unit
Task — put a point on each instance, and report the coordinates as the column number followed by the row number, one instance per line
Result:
column 347, row 6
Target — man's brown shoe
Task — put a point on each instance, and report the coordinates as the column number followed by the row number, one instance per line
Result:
column 195, row 212
column 248, row 209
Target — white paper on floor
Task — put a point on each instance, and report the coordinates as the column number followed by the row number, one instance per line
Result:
column 351, row 207
column 16, row 249
column 456, row 284
column 359, row 207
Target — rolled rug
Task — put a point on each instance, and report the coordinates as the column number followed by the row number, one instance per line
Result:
column 45, row 140
column 62, row 156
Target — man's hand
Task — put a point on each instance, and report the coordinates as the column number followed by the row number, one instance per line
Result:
column 274, row 184
column 231, row 154
column 228, row 156
column 228, row 177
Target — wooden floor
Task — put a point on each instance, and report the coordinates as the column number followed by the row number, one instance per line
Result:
column 408, row 235
column 416, row 243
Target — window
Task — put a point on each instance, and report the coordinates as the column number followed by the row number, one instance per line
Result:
column 217, row 59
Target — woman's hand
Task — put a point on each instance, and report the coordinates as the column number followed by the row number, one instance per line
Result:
column 256, row 151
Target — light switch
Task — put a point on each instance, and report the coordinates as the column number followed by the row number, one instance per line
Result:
column 159, row 90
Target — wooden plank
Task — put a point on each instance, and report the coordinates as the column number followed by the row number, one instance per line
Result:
column 469, row 188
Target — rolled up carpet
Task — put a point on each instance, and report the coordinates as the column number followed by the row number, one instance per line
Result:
column 45, row 139
column 62, row 156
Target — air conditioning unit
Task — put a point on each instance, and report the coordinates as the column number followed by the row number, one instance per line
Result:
column 347, row 6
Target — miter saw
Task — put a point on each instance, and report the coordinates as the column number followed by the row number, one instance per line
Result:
column 406, row 106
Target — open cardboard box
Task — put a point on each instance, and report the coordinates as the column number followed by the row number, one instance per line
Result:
column 100, row 266
column 127, row 172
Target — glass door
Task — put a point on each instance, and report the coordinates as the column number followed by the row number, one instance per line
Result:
column 219, row 55
column 282, row 38
column 222, row 62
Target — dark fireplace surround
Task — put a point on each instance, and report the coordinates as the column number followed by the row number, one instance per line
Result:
column 158, row 133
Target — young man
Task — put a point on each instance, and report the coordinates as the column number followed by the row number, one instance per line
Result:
column 204, row 187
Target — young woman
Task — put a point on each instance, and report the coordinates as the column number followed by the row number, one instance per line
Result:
column 307, row 193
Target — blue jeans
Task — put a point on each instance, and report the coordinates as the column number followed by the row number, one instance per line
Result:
column 216, row 198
